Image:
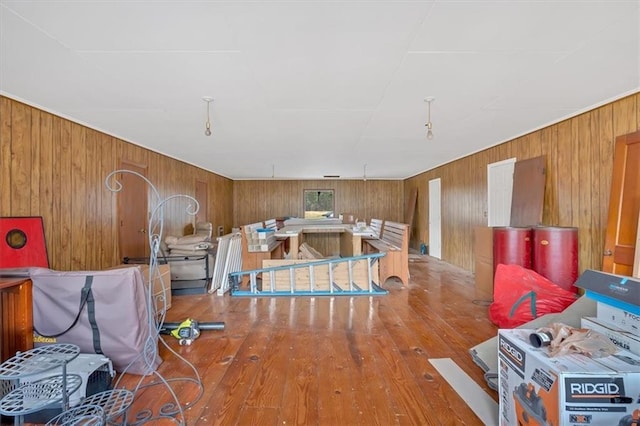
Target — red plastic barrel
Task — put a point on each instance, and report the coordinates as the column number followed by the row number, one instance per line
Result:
column 555, row 255
column 512, row 246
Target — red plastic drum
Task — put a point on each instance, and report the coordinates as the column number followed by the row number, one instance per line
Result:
column 512, row 246
column 555, row 255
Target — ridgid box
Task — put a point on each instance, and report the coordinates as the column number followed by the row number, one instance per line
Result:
column 536, row 389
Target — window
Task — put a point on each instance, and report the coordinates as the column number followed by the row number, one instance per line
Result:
column 318, row 203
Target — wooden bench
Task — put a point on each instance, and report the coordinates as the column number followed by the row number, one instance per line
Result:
column 376, row 226
column 394, row 241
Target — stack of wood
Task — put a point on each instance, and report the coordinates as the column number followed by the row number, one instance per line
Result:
column 308, row 252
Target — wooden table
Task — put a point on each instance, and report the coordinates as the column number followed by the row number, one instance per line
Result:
column 16, row 316
column 350, row 239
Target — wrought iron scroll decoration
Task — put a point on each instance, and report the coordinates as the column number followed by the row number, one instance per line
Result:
column 173, row 409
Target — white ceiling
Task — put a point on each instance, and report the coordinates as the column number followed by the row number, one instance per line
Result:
column 304, row 89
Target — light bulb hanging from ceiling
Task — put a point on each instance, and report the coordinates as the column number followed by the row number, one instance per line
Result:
column 429, row 125
column 207, row 124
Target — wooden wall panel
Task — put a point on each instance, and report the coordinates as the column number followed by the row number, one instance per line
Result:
column 21, row 160
column 549, row 145
column 45, row 174
column 220, row 210
column 579, row 153
column 5, row 156
column 34, row 172
column 92, row 199
column 108, row 220
column 257, row 200
column 62, row 167
column 54, row 168
column 581, row 129
column 64, row 223
column 564, row 156
column 624, row 116
column 80, row 198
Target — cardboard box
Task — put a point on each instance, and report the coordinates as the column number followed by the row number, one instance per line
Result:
column 161, row 283
column 484, row 277
column 483, row 254
column 483, row 243
column 161, row 286
column 620, row 338
column 624, row 320
column 615, row 290
column 536, row 389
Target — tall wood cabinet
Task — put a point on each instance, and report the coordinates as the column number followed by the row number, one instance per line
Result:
column 16, row 316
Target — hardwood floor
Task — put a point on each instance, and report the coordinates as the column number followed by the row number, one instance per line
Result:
column 334, row 361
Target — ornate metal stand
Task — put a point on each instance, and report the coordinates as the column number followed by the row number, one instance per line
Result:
column 85, row 415
column 28, row 393
column 173, row 408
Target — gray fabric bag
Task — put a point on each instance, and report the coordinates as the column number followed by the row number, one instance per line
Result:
column 102, row 312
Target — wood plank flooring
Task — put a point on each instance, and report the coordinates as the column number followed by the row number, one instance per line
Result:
column 334, row 361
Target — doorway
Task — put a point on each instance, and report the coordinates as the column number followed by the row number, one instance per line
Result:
column 132, row 212
column 499, row 192
column 435, row 220
column 624, row 206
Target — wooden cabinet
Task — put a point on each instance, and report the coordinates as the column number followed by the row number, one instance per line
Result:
column 16, row 316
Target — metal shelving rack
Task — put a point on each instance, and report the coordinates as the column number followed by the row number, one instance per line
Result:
column 28, row 393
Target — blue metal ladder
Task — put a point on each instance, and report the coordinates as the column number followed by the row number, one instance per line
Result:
column 345, row 276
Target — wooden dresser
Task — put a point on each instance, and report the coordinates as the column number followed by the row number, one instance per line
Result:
column 16, row 316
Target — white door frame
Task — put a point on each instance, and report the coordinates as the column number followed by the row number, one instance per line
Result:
column 435, row 218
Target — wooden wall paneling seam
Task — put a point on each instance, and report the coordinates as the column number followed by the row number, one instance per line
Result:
column 607, row 144
column 45, row 179
column 564, row 170
column 551, row 191
column 597, row 225
column 65, row 217
column 34, row 162
column 108, row 214
column 20, row 160
column 586, row 189
column 78, row 209
column 92, row 200
column 53, row 237
column 535, row 143
column 575, row 173
column 624, row 116
column 521, row 147
column 5, row 155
